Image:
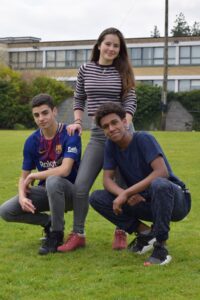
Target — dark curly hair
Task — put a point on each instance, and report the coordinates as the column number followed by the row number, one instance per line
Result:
column 109, row 108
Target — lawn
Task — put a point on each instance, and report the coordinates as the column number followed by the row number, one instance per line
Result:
column 98, row 272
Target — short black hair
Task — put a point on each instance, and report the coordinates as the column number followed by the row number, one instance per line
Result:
column 42, row 99
column 109, row 108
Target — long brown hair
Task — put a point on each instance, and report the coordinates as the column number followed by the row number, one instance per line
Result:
column 121, row 63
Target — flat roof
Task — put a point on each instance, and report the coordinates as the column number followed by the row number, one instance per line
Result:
column 23, row 39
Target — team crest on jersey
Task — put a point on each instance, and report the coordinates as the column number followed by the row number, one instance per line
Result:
column 58, row 149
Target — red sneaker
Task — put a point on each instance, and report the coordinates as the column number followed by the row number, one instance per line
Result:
column 74, row 241
column 120, row 240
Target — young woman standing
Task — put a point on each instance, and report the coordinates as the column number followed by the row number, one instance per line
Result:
column 107, row 77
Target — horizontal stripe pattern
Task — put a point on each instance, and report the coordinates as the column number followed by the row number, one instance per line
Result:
column 98, row 84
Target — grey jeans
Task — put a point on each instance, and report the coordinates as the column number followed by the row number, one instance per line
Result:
column 57, row 198
column 91, row 165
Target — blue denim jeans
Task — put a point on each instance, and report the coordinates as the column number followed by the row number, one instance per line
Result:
column 165, row 202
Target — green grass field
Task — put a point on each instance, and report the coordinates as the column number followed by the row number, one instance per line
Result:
column 97, row 272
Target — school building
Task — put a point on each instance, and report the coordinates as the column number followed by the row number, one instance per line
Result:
column 61, row 60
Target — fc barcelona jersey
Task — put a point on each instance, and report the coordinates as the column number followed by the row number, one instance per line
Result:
column 42, row 154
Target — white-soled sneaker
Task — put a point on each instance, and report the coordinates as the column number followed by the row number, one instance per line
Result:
column 159, row 256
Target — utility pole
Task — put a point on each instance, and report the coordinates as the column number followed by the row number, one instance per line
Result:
column 165, row 72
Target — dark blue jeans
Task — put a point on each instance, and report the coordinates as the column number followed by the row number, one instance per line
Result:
column 165, row 202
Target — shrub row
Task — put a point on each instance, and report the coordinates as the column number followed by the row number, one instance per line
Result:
column 16, row 93
column 148, row 114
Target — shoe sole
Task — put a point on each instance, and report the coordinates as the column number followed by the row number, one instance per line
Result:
column 165, row 262
column 46, row 253
column 118, row 249
column 65, row 251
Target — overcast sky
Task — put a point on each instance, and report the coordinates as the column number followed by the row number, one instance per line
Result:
column 53, row 20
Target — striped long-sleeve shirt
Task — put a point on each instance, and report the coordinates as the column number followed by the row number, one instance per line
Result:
column 98, row 84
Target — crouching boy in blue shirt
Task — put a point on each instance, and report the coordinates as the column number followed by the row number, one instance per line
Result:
column 153, row 192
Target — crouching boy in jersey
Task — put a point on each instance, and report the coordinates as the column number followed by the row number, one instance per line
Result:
column 56, row 156
column 154, row 193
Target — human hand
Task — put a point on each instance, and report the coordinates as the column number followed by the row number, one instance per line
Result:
column 27, row 205
column 135, row 199
column 118, row 202
column 71, row 128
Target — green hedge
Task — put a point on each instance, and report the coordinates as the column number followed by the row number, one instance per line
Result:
column 148, row 107
column 16, row 93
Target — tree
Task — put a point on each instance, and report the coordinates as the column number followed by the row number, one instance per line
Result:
column 155, row 33
column 58, row 90
column 195, row 29
column 181, row 27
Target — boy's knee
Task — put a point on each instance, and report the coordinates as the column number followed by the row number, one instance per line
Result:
column 4, row 213
column 94, row 198
column 160, row 184
column 52, row 182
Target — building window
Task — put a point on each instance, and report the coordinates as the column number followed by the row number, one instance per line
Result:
column 88, row 54
column 195, row 55
column 22, row 60
column 80, row 57
column 151, row 56
column 33, row 59
column 171, row 85
column 38, row 60
column 158, row 56
column 158, row 83
column 67, row 58
column 13, row 60
column 185, row 55
column 135, row 56
column 195, row 84
column 184, row 85
column 30, row 60
column 190, row 55
column 189, row 85
column 147, row 59
column 171, row 55
column 50, row 59
column 26, row 60
column 60, row 59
